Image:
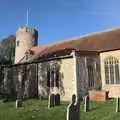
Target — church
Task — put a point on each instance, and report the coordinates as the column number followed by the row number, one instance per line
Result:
column 71, row 66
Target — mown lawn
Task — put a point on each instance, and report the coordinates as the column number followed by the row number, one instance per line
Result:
column 37, row 110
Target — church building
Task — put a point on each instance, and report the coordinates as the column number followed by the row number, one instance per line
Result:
column 71, row 66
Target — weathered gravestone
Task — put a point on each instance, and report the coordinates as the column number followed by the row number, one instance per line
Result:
column 57, row 99
column 19, row 103
column 54, row 100
column 117, row 104
column 51, row 101
column 73, row 109
column 86, row 103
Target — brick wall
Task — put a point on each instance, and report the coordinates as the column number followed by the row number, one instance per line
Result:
column 98, row 95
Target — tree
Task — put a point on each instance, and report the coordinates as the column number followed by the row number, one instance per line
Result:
column 7, row 50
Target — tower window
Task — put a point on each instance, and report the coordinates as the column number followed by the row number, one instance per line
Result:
column 17, row 43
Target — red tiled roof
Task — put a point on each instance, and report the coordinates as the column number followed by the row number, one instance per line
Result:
column 99, row 41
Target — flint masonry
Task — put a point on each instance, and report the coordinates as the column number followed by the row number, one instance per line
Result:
column 71, row 66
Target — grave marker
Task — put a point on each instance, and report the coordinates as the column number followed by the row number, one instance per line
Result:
column 51, row 101
column 73, row 109
column 57, row 99
column 117, row 104
column 19, row 103
column 86, row 104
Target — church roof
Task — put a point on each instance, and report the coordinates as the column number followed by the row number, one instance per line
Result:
column 100, row 41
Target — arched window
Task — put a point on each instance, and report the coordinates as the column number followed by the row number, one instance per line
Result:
column 111, row 65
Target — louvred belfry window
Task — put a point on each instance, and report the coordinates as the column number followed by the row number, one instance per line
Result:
column 111, row 66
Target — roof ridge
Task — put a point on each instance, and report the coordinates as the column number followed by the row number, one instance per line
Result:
column 97, row 41
column 100, row 32
column 59, row 41
column 77, row 37
column 87, row 37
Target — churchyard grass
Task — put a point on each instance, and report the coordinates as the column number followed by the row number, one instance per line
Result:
column 101, row 111
column 38, row 110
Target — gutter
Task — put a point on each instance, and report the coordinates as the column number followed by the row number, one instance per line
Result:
column 41, row 60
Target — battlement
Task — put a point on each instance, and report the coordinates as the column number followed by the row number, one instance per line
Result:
column 26, row 29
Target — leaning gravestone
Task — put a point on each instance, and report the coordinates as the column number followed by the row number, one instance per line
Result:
column 73, row 109
column 51, row 101
column 117, row 104
column 86, row 104
column 57, row 99
column 19, row 103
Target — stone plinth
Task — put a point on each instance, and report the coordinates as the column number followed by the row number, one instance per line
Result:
column 98, row 95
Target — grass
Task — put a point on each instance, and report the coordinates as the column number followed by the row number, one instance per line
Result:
column 37, row 110
column 101, row 111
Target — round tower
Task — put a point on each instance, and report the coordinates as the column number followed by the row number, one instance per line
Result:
column 26, row 38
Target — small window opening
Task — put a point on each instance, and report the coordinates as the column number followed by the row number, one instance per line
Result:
column 17, row 43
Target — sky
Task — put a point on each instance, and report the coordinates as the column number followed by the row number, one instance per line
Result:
column 59, row 19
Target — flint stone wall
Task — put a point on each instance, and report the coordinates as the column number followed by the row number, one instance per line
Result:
column 28, row 82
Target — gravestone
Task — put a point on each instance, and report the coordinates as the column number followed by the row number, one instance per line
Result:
column 73, row 109
column 51, row 101
column 19, row 103
column 118, row 104
column 86, row 103
column 5, row 100
column 57, row 99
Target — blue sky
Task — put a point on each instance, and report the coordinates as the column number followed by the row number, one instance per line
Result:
column 59, row 19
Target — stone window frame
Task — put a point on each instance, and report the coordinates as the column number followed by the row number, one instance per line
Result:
column 111, row 70
column 53, row 76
